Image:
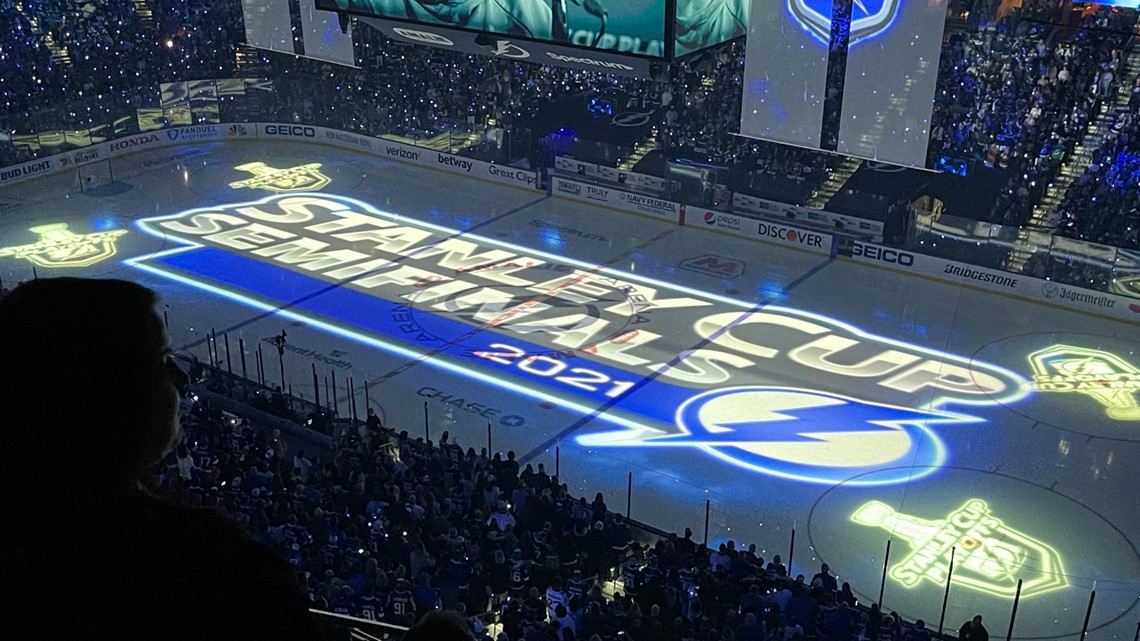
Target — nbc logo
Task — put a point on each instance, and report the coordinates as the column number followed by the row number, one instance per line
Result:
column 238, row 130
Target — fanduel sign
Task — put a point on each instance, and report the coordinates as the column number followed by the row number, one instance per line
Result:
column 665, row 367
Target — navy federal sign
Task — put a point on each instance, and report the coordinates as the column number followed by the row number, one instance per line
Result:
column 869, row 18
column 776, row 390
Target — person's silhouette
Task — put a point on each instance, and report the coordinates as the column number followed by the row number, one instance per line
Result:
column 90, row 394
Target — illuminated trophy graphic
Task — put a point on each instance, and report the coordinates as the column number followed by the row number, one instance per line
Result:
column 58, row 247
column 300, row 178
column 1109, row 379
column 990, row 556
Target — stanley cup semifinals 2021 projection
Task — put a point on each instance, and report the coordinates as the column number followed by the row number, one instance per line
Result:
column 629, row 26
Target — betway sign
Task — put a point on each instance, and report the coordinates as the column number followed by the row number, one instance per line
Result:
column 445, row 162
column 514, row 48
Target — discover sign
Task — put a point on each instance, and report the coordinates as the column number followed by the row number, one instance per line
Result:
column 753, row 228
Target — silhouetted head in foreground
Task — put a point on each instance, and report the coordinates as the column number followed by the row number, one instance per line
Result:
column 440, row 626
column 89, row 390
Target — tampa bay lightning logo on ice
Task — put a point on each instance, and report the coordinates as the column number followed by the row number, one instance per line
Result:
column 808, row 435
column 869, row 18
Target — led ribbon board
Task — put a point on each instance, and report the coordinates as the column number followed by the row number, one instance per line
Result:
column 775, row 390
column 869, row 18
column 1106, row 378
column 989, row 556
column 59, row 247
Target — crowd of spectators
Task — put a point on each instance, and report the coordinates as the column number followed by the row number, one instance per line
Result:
column 1018, row 97
column 389, row 528
column 1103, row 204
column 1016, row 91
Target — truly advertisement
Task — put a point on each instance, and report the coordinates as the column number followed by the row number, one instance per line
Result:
column 773, row 390
column 631, row 26
column 639, row 203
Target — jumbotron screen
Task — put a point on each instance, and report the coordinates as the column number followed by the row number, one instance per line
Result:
column 627, row 26
column 1126, row 4
column 705, row 23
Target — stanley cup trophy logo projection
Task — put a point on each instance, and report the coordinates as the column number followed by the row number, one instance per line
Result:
column 1107, row 378
column 59, row 247
column 300, row 178
column 989, row 557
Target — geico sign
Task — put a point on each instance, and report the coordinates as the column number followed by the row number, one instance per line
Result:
column 119, row 145
column 883, row 254
column 790, row 235
column 297, row 131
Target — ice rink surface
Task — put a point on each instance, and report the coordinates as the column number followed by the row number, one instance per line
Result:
column 788, row 389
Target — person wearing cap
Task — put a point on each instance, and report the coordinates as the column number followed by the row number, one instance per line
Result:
column 96, row 353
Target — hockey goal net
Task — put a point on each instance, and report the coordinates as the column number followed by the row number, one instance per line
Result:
column 95, row 175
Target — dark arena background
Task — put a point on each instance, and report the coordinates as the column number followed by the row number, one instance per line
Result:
column 842, row 282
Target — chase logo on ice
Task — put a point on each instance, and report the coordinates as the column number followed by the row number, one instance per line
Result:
column 869, row 18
